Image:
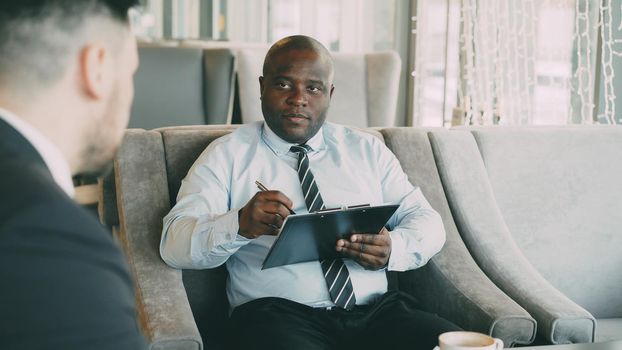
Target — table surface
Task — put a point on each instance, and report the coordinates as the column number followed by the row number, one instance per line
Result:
column 613, row 345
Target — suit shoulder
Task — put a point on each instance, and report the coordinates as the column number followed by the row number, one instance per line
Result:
column 34, row 201
column 52, row 247
column 25, row 184
column 62, row 253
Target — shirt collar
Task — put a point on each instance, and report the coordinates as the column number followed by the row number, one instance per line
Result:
column 52, row 156
column 280, row 146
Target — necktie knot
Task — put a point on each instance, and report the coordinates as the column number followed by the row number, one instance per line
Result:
column 300, row 149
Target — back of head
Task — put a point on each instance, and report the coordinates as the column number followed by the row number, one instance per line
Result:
column 37, row 37
column 66, row 68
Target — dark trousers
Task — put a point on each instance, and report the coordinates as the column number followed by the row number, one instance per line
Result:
column 393, row 322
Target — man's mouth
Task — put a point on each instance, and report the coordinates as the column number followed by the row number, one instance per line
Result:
column 295, row 116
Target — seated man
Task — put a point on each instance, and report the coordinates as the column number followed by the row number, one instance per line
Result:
column 221, row 218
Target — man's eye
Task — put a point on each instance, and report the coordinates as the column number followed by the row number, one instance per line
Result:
column 314, row 89
column 282, row 85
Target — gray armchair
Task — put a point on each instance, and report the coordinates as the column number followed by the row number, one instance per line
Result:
column 540, row 211
column 187, row 309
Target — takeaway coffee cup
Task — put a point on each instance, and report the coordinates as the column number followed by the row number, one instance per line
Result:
column 468, row 341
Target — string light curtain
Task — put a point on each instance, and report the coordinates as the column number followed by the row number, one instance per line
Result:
column 608, row 41
column 497, row 60
column 517, row 67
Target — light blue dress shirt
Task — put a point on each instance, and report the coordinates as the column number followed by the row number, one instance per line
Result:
column 350, row 167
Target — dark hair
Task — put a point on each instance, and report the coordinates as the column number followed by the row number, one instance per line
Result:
column 38, row 36
column 39, row 9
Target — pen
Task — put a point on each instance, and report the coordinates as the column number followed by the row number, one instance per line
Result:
column 264, row 189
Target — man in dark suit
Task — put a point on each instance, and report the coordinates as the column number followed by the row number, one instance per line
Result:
column 66, row 70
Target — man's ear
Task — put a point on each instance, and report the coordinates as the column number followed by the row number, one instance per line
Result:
column 260, row 87
column 332, row 88
column 95, row 71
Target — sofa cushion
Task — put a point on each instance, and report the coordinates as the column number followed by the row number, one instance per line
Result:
column 608, row 329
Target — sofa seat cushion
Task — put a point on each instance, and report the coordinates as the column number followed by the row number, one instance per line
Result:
column 608, row 329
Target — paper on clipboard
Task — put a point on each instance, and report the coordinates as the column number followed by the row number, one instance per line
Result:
column 310, row 237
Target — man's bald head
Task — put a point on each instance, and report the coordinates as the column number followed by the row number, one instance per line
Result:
column 298, row 43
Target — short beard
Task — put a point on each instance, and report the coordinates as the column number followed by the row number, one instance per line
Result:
column 101, row 142
column 93, row 166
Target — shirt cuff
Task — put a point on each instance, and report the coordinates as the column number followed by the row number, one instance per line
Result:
column 223, row 230
column 401, row 259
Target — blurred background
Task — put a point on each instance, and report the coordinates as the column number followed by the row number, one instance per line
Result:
column 467, row 62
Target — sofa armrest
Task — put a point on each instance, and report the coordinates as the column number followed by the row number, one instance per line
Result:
column 452, row 286
column 490, row 242
column 164, row 312
column 142, row 201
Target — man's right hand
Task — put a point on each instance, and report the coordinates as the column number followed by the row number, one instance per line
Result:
column 264, row 214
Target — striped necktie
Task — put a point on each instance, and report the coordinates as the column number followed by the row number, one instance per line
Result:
column 335, row 271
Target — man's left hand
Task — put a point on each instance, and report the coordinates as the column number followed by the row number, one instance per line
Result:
column 372, row 251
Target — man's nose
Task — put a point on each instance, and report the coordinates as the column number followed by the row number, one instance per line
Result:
column 297, row 98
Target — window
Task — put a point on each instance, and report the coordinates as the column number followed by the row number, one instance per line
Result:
column 475, row 61
column 341, row 25
column 514, row 62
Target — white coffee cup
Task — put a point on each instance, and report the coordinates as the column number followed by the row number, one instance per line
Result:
column 467, row 341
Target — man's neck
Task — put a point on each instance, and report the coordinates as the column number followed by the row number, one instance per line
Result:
column 52, row 121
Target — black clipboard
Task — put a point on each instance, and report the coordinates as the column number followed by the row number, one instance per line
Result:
column 312, row 236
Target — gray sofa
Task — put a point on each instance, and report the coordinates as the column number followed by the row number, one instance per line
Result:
column 540, row 209
column 187, row 309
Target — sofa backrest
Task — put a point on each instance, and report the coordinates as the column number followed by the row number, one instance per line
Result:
column 366, row 87
column 558, row 191
column 182, row 86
